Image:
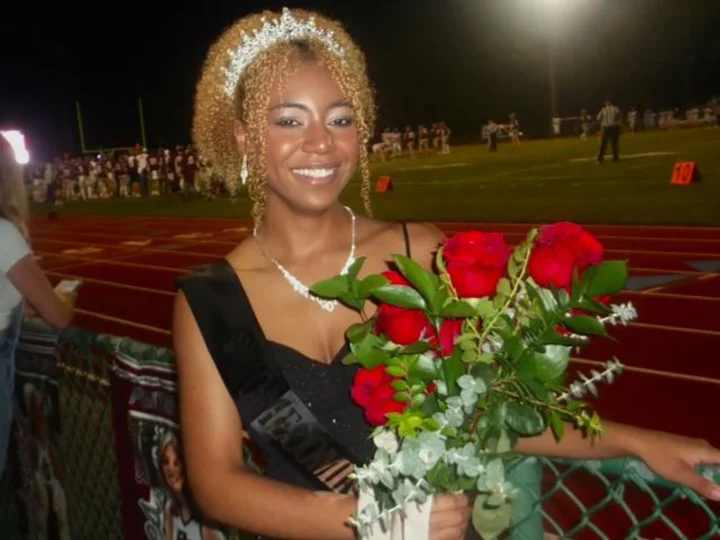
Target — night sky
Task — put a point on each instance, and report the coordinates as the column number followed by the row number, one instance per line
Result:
column 462, row 61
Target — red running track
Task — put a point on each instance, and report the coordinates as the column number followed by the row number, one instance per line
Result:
column 129, row 266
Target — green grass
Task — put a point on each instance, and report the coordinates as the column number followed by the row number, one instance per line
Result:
column 537, row 182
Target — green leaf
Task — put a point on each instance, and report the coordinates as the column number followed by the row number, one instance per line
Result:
column 349, row 359
column 579, row 286
column 424, row 368
column 453, row 369
column 513, row 268
column 524, row 419
column 400, row 296
column 466, row 484
column 583, row 324
column 369, row 284
column 352, row 301
column 430, row 407
column 504, row 443
column 402, row 397
column 591, row 306
column 358, row 331
column 551, row 337
column 368, row 353
column 440, row 298
column 354, row 269
column 526, row 368
column 399, row 385
column 425, row 282
column 484, row 308
column 418, row 347
column 557, row 425
column 396, row 371
column 490, row 521
column 457, row 310
column 609, row 277
column 485, row 372
column 486, row 358
column 503, row 287
column 553, row 363
column 499, row 301
column 331, row 288
column 538, row 389
column 514, row 347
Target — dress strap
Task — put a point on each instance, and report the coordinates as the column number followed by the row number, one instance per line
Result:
column 406, row 236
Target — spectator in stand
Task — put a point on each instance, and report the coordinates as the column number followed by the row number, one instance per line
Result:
column 24, row 288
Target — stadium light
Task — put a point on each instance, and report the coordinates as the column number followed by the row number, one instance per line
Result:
column 16, row 140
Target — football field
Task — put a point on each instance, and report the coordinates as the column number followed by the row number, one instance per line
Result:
column 540, row 181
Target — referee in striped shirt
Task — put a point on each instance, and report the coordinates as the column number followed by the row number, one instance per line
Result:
column 609, row 118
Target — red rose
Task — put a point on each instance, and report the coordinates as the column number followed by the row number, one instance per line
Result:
column 402, row 326
column 474, row 281
column 475, row 247
column 585, row 246
column 559, row 250
column 476, row 262
column 371, row 385
column 372, row 390
column 396, row 278
column 450, row 330
column 377, row 415
column 552, row 266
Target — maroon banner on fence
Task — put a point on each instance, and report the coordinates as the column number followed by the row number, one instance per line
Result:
column 156, row 503
column 40, row 473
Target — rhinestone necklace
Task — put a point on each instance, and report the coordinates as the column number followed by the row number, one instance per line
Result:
column 299, row 286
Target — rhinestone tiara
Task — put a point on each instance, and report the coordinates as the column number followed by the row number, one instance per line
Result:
column 286, row 28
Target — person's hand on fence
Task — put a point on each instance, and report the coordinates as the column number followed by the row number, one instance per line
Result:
column 69, row 297
column 677, row 459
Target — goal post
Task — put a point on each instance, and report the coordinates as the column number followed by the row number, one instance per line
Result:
column 81, row 131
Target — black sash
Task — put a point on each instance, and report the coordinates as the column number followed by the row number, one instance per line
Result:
column 278, row 420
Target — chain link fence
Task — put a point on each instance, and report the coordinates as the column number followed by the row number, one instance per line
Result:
column 99, row 456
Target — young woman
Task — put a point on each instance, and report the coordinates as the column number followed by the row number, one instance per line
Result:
column 23, row 285
column 289, row 110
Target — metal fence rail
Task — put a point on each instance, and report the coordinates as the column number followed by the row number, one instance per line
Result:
column 112, row 402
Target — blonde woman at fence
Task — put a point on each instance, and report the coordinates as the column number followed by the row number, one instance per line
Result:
column 284, row 106
column 23, row 285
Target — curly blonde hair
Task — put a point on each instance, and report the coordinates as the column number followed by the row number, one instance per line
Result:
column 13, row 198
column 216, row 114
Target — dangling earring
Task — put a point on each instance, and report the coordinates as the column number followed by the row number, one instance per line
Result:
column 244, row 171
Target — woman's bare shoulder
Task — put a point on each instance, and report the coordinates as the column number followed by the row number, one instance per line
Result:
column 387, row 238
column 244, row 256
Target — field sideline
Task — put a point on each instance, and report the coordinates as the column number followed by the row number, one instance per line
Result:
column 540, row 181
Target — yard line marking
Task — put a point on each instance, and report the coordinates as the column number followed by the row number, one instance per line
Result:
column 134, row 249
column 682, row 329
column 136, row 265
column 664, row 271
column 626, row 156
column 123, row 321
column 674, row 295
column 113, row 284
column 650, row 371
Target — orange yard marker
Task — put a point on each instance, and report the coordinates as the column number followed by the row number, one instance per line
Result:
column 684, row 173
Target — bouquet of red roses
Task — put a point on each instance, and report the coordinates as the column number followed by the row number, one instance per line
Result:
column 459, row 363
